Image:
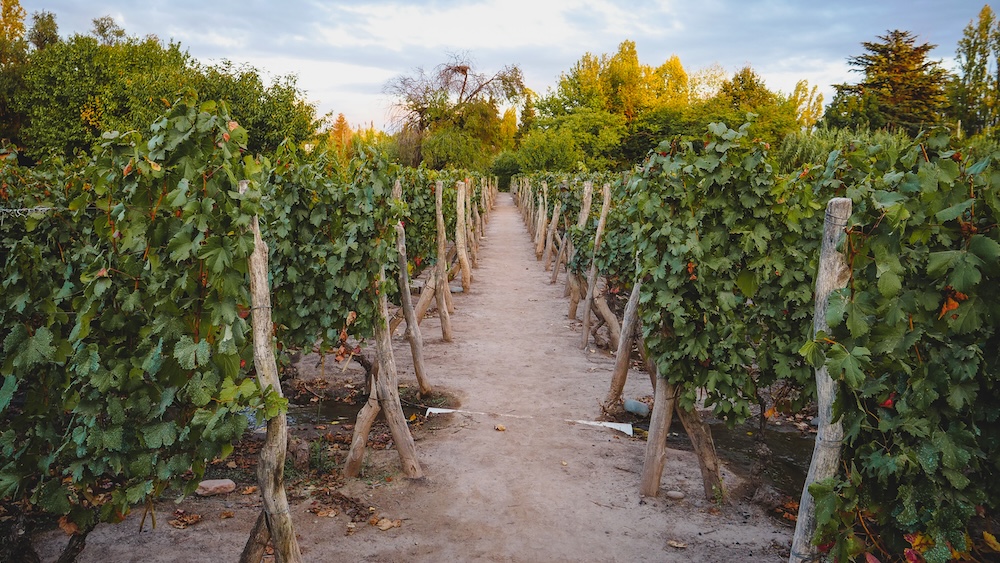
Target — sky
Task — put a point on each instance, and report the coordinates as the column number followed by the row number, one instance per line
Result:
column 344, row 52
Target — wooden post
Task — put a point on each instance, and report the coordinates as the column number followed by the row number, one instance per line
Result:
column 629, row 323
column 470, row 235
column 572, row 279
column 460, row 240
column 442, row 290
column 387, row 386
column 833, row 274
column 412, row 334
column 362, row 428
column 656, row 443
column 604, row 311
column 563, row 244
column 550, row 237
column 592, row 278
column 540, row 226
column 271, row 465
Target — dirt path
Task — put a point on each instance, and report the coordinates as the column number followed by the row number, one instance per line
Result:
column 545, row 489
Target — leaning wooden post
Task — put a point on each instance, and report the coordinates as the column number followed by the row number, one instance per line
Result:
column 833, row 274
column 412, row 334
column 629, row 323
column 387, row 386
column 470, row 235
column 551, row 236
column 592, row 278
column 572, row 279
column 703, row 445
column 271, row 465
column 656, row 443
column 460, row 239
column 441, row 266
column 362, row 428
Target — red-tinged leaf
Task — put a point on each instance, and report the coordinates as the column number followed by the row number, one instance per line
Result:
column 869, row 558
column 912, row 556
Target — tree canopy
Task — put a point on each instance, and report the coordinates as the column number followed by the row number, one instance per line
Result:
column 900, row 87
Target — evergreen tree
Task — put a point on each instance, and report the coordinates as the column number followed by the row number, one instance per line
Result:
column 901, row 89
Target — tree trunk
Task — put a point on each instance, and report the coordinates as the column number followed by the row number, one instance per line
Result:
column 656, row 442
column 704, row 447
column 442, row 291
column 387, row 386
column 833, row 274
column 413, row 335
column 460, row 243
column 629, row 323
column 271, row 466
column 592, row 278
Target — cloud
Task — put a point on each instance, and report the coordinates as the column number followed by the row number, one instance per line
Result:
column 344, row 51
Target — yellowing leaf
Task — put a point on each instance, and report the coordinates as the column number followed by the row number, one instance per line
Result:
column 991, row 541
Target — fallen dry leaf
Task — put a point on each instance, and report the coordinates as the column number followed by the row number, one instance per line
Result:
column 249, row 490
column 500, row 428
column 386, row 524
column 351, row 528
column 227, row 514
column 231, row 465
column 676, row 544
column 182, row 519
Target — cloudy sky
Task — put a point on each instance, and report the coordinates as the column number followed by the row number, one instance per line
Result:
column 343, row 52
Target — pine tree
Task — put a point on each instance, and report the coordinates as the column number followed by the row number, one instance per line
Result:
column 901, row 89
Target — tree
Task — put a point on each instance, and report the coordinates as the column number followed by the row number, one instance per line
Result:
column 974, row 92
column 44, row 31
column 454, row 101
column 107, row 30
column 808, row 104
column 13, row 54
column 900, row 89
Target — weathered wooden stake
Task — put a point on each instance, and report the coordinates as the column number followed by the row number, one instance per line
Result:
column 708, row 460
column 656, row 442
column 362, row 428
column 412, row 334
column 592, row 278
column 460, row 239
column 833, row 274
column 442, row 291
column 387, row 385
column 271, row 465
column 629, row 323
column 550, row 237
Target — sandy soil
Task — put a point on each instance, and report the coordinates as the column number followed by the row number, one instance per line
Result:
column 544, row 489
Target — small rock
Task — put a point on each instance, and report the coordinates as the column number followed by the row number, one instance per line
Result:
column 211, row 487
column 674, row 495
column 637, row 408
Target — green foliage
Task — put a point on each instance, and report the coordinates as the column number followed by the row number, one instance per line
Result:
column 901, row 89
column 69, row 92
column 122, row 343
column 919, row 398
column 724, row 247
